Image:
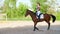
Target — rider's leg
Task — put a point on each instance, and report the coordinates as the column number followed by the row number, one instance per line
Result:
column 38, row 14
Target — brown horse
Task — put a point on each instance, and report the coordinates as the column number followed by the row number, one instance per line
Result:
column 47, row 18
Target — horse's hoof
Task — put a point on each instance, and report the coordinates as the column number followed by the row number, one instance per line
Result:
column 33, row 30
column 47, row 29
column 37, row 29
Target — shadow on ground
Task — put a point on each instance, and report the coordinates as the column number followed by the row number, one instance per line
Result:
column 55, row 29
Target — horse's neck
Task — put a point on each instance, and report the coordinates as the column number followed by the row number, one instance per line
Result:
column 32, row 14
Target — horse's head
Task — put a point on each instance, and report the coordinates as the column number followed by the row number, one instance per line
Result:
column 27, row 12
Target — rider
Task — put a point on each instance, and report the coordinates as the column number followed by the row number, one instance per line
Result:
column 38, row 12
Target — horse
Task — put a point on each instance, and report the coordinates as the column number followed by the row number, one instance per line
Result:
column 47, row 18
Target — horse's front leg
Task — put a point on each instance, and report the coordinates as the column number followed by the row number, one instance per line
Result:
column 35, row 26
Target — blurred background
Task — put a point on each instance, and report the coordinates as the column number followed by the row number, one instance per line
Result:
column 15, row 9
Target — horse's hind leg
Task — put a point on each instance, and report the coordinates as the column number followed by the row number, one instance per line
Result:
column 35, row 26
column 48, row 25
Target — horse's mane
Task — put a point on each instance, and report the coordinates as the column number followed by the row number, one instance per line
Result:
column 31, row 11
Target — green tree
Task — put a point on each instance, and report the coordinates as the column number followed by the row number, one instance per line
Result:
column 42, row 3
column 13, row 11
column 10, row 7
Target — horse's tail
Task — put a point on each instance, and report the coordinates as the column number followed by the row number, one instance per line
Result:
column 53, row 17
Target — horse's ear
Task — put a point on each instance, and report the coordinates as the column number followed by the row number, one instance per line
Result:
column 26, row 9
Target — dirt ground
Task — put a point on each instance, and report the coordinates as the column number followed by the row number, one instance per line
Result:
column 26, row 27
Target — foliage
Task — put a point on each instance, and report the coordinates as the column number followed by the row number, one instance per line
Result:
column 42, row 4
column 14, row 12
column 58, row 15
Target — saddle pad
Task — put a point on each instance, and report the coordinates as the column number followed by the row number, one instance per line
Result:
column 41, row 16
